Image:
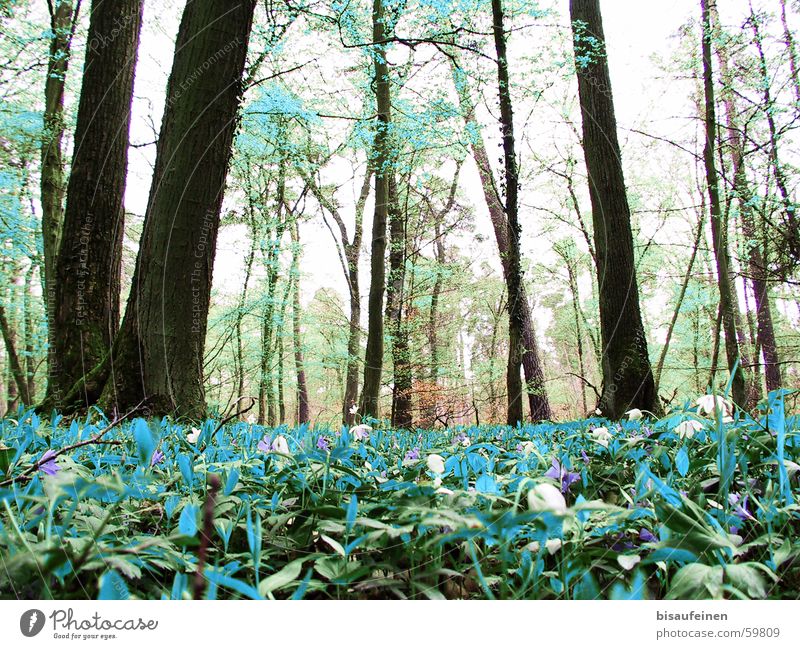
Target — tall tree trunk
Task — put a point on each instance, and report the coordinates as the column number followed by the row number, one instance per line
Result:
column 303, row 415
column 395, row 314
column 627, row 377
column 382, row 163
column 28, row 328
column 517, row 300
column 765, row 333
column 566, row 253
column 679, row 302
column 62, row 26
column 718, row 225
column 88, row 268
column 248, row 270
column 531, row 361
column 158, row 354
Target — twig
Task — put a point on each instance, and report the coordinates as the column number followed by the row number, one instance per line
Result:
column 66, row 449
column 578, row 376
column 235, row 414
column 205, row 538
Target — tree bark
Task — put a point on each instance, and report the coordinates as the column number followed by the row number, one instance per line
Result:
column 88, row 267
column 627, row 377
column 531, row 361
column 382, row 163
column 395, row 314
column 62, row 25
column 303, row 415
column 158, row 355
column 788, row 41
column 718, row 226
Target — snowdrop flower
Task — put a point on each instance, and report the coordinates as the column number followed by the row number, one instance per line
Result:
column 545, row 497
column 533, row 547
column 193, row 436
column 553, row 545
column 353, row 409
column 360, row 432
column 598, row 412
column 601, row 436
column 280, row 445
column 435, row 463
column 688, row 428
column 628, row 561
column 708, row 403
column 634, row 414
column 526, row 448
column 445, row 491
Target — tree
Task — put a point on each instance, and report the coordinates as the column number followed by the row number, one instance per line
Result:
column 627, row 378
column 63, row 20
column 718, row 224
column 382, row 163
column 158, row 355
column 88, row 267
column 531, row 359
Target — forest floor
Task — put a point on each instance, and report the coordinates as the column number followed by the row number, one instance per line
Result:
column 687, row 506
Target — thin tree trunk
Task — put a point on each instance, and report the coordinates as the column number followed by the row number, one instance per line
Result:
column 158, row 355
column 531, row 360
column 627, row 376
column 88, row 267
column 373, row 360
column 679, row 303
column 62, row 25
column 28, row 328
column 720, row 239
column 791, row 231
column 303, row 415
column 17, row 371
column 248, row 269
column 788, row 41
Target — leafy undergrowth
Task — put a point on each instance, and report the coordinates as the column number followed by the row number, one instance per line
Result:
column 650, row 509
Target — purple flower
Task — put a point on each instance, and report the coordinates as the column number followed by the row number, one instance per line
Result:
column 158, row 457
column 558, row 472
column 412, row 455
column 647, row 536
column 740, row 510
column 585, row 457
column 265, row 445
column 48, row 463
column 323, row 444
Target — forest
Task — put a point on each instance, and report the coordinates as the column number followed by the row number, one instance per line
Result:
column 399, row 299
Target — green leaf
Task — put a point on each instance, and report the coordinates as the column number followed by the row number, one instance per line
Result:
column 696, row 581
column 285, row 576
column 113, row 586
column 187, row 525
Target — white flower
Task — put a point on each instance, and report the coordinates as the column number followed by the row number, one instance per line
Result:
column 601, row 435
column 280, row 445
column 353, row 409
column 688, row 428
column 708, row 403
column 528, row 447
column 553, row 545
column 445, row 491
column 533, row 546
column 598, row 412
column 545, row 497
column 437, row 482
column 634, row 414
column 360, row 432
column 193, row 436
column 435, row 463
column 628, row 561
column 251, row 419
column 465, row 442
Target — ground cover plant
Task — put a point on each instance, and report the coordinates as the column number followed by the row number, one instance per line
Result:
column 701, row 503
